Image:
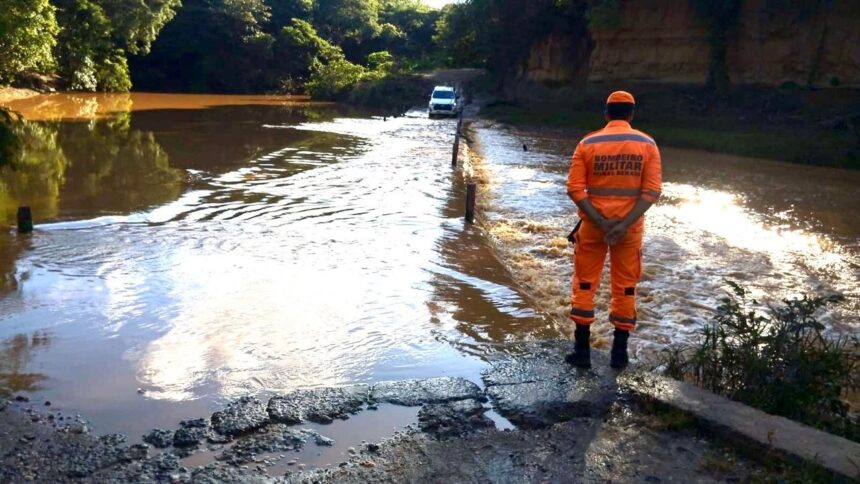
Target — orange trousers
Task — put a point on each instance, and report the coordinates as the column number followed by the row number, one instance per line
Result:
column 625, row 263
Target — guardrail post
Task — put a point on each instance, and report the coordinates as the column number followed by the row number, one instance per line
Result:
column 471, row 195
column 456, row 152
column 25, row 220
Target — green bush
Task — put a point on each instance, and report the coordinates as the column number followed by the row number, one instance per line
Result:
column 381, row 62
column 86, row 51
column 28, row 30
column 113, row 74
column 391, row 92
column 337, row 78
column 333, row 79
column 83, row 76
column 779, row 361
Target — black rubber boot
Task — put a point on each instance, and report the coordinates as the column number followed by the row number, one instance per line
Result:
column 618, row 354
column 581, row 356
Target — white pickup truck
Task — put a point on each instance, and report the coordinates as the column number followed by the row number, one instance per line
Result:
column 443, row 102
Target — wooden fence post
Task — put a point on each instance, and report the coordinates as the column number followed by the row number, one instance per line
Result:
column 456, row 152
column 471, row 194
column 25, row 220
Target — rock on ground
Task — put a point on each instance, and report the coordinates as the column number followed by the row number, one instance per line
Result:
column 412, row 393
column 580, row 450
column 453, row 419
column 277, row 439
column 241, row 416
column 159, row 438
column 538, row 388
column 575, row 426
column 320, row 405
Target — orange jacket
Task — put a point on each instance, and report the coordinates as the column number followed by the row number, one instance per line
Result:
column 613, row 167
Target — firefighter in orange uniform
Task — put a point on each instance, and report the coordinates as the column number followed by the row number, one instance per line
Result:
column 615, row 177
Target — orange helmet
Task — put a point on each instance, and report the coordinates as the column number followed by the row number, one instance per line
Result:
column 620, row 97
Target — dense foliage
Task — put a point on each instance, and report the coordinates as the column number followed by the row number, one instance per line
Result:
column 213, row 45
column 321, row 46
column 28, row 30
column 499, row 34
column 780, row 361
column 85, row 41
column 277, row 45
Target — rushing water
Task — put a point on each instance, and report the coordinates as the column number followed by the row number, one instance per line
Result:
column 183, row 257
column 780, row 230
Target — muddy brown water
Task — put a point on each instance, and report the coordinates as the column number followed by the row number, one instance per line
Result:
column 192, row 251
column 778, row 229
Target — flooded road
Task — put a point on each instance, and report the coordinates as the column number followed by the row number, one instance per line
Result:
column 780, row 230
column 183, row 257
column 192, row 249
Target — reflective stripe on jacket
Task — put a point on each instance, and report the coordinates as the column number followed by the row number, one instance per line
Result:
column 614, row 167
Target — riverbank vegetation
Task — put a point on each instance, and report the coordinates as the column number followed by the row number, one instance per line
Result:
column 781, row 361
column 798, row 126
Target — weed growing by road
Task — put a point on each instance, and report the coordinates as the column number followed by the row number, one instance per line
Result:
column 779, row 360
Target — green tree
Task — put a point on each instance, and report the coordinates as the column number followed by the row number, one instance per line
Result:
column 456, row 36
column 296, row 47
column 284, row 11
column 137, row 23
column 28, row 30
column 87, row 54
column 347, row 22
column 331, row 80
column 211, row 46
column 407, row 28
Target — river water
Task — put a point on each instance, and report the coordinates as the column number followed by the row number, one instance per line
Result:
column 192, row 249
column 779, row 230
column 186, row 256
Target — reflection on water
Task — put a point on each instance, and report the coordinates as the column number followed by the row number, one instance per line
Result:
column 782, row 230
column 37, row 178
column 16, row 355
column 98, row 167
column 200, row 254
column 86, row 106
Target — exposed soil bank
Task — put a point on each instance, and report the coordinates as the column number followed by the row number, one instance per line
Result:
column 800, row 126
